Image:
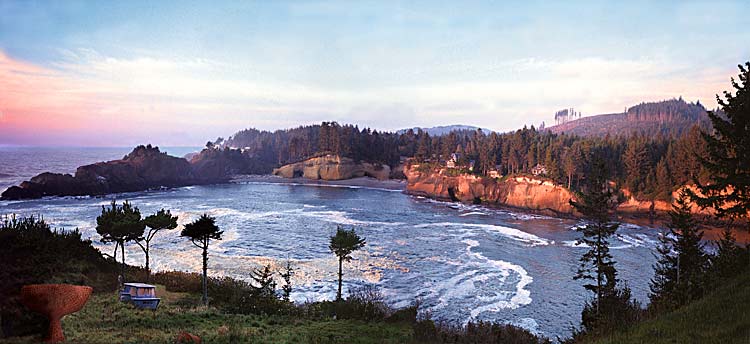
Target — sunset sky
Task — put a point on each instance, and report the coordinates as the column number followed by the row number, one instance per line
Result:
column 171, row 73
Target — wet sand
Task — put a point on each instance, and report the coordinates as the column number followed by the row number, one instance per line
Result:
column 367, row 182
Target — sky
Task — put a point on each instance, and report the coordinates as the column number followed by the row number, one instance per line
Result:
column 173, row 73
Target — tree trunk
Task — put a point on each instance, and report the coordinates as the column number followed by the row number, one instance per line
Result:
column 338, row 294
column 122, row 267
column 598, row 271
column 148, row 267
column 205, row 275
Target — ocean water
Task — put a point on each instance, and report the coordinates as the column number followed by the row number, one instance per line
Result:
column 460, row 262
column 19, row 163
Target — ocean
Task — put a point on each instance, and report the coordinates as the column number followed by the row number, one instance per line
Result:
column 461, row 262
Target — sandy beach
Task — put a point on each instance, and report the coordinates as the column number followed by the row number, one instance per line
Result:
column 364, row 182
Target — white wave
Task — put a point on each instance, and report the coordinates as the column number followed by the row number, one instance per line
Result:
column 636, row 240
column 341, row 217
column 574, row 243
column 473, row 213
column 512, row 233
column 527, row 323
column 521, row 297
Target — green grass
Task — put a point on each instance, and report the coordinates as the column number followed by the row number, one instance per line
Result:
column 106, row 320
column 723, row 316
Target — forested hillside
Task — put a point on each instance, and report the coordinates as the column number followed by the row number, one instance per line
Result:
column 669, row 117
column 292, row 145
column 650, row 163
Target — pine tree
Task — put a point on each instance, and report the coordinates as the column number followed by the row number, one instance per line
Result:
column 664, row 282
column 663, row 180
column 682, row 262
column 120, row 224
column 612, row 306
column 636, row 165
column 423, row 148
column 265, row 286
column 201, row 232
column 342, row 244
column 595, row 204
column 727, row 260
column 286, row 275
column 162, row 219
column 728, row 158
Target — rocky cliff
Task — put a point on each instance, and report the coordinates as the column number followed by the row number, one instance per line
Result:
column 144, row 168
column 333, row 167
column 520, row 192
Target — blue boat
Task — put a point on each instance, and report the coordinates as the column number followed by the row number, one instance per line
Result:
column 141, row 295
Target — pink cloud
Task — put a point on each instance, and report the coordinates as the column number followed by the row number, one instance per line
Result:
column 41, row 104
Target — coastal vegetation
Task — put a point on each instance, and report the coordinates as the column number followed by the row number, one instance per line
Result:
column 611, row 306
column 343, row 243
column 155, row 223
column 201, row 232
column 120, row 224
column 689, row 283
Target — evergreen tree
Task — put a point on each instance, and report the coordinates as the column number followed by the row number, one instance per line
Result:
column 286, row 275
column 727, row 261
column 120, row 224
column 728, row 158
column 664, row 281
column 612, row 306
column 595, row 203
column 680, row 271
column 663, row 180
column 423, row 148
column 636, row 166
column 201, row 232
column 265, row 286
column 342, row 244
column 162, row 219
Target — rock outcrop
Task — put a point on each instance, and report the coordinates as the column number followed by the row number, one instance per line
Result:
column 144, row 168
column 520, row 192
column 333, row 167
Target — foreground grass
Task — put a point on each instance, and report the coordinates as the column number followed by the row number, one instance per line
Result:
column 105, row 320
column 723, row 316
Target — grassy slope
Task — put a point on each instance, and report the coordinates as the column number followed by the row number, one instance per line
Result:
column 105, row 320
column 721, row 317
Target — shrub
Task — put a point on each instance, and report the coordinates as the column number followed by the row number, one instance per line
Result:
column 178, row 281
column 364, row 303
column 428, row 331
column 33, row 253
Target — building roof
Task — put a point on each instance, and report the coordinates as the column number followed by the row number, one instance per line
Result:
column 139, row 285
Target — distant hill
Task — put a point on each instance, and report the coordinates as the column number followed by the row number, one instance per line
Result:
column 445, row 129
column 669, row 117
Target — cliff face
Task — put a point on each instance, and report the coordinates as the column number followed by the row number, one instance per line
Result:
column 143, row 168
column 520, row 192
column 333, row 167
column 633, row 205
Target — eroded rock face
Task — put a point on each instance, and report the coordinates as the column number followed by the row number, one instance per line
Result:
column 333, row 167
column 144, row 168
column 520, row 192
